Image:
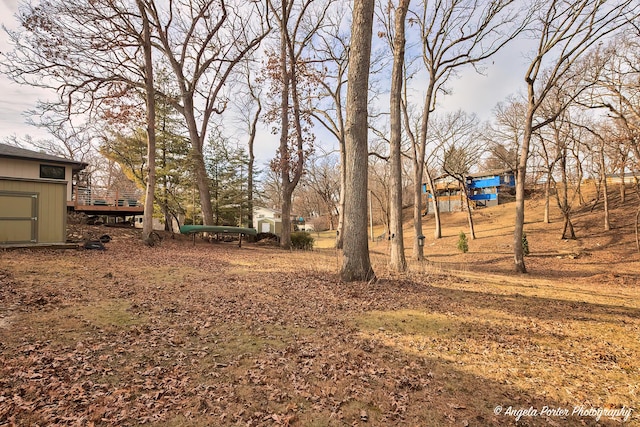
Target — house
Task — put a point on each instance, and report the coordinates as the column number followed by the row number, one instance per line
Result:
column 491, row 188
column 34, row 191
column 266, row 220
column 488, row 188
column 449, row 193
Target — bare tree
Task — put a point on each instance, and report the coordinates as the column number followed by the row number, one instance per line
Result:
column 565, row 31
column 549, row 159
column 269, row 193
column 249, row 108
column 454, row 34
column 323, row 177
column 68, row 139
column 331, row 49
column 356, row 264
column 463, row 150
column 397, row 261
column 379, row 186
column 504, row 135
column 598, row 133
column 561, row 142
column 203, row 42
column 150, row 101
column 295, row 80
column 615, row 74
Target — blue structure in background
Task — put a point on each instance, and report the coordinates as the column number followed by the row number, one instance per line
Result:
column 485, row 189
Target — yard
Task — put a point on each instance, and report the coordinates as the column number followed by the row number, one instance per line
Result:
column 213, row 334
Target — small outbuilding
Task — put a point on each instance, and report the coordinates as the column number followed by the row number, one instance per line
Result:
column 34, row 190
column 267, row 220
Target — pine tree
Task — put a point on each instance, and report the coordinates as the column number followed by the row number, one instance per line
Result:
column 227, row 168
column 463, row 245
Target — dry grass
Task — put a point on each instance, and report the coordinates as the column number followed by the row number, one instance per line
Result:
column 216, row 335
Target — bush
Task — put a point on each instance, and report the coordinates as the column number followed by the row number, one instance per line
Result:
column 525, row 244
column 301, row 240
column 267, row 236
column 463, row 246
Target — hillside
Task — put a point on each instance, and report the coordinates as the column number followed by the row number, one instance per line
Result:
column 595, row 252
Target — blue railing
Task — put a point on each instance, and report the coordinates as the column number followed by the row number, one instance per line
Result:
column 484, row 182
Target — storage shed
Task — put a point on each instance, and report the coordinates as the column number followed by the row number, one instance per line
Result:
column 34, row 190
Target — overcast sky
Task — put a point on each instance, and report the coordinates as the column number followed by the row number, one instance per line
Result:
column 472, row 92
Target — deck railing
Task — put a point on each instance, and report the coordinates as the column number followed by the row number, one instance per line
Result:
column 84, row 196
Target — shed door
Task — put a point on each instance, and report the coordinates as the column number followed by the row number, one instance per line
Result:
column 18, row 217
column 266, row 227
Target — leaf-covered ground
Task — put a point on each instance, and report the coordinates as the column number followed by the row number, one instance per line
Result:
column 215, row 335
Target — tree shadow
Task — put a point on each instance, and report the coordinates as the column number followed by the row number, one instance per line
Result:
column 441, row 338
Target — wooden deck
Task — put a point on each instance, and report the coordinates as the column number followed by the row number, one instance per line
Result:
column 106, row 209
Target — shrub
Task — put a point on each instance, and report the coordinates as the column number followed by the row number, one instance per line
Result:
column 525, row 244
column 463, row 246
column 267, row 236
column 301, row 240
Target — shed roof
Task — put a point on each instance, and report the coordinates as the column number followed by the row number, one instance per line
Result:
column 14, row 152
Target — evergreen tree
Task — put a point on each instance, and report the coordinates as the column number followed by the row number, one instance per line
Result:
column 128, row 147
column 227, row 167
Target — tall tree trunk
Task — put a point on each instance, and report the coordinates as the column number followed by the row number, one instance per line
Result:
column 299, row 162
column 605, row 188
column 356, row 264
column 623, row 186
column 568, row 232
column 418, row 252
column 250, row 180
column 419, row 166
column 291, row 171
column 581, row 199
column 341, row 200
column 397, row 261
column 147, row 221
column 521, row 172
column 253, row 128
column 285, row 233
column 472, row 230
column 168, row 219
column 547, row 198
column 437, row 232
column 202, row 178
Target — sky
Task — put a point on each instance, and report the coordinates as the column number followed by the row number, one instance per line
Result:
column 15, row 99
column 471, row 92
